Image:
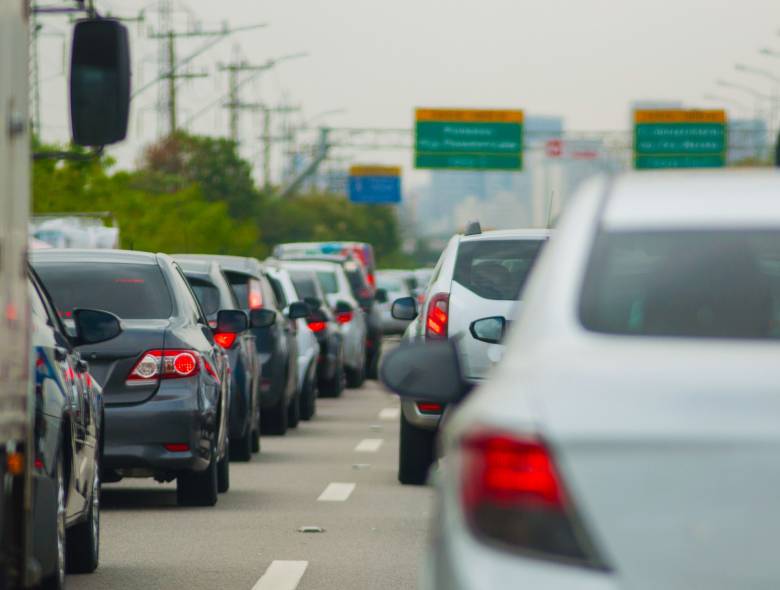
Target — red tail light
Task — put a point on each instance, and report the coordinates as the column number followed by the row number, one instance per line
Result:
column 177, row 447
column 436, row 322
column 429, row 407
column 344, row 317
column 254, row 294
column 512, row 494
column 164, row 364
column 317, row 326
column 225, row 339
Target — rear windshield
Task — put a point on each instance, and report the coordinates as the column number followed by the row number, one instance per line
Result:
column 496, row 269
column 247, row 290
column 700, row 284
column 328, row 281
column 389, row 284
column 131, row 291
column 207, row 295
column 304, row 285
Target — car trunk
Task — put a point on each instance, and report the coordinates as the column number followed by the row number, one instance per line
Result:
column 110, row 363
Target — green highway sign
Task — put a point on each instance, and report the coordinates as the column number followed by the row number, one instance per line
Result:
column 680, row 138
column 454, row 139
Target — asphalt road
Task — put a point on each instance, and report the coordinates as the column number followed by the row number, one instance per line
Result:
column 337, row 472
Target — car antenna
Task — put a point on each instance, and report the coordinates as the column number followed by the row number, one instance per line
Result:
column 473, row 228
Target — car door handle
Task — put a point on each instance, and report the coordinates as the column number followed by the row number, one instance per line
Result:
column 60, row 353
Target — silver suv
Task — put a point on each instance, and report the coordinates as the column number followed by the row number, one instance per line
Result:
column 479, row 275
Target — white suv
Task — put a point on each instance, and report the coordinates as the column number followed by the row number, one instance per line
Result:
column 479, row 275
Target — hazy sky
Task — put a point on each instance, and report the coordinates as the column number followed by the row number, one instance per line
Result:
column 585, row 60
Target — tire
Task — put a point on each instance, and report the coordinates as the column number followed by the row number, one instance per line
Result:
column 308, row 401
column 416, row 453
column 372, row 364
column 256, row 440
column 83, row 539
column 294, row 411
column 223, row 474
column 198, row 488
column 334, row 386
column 241, row 448
column 56, row 581
column 275, row 419
column 356, row 377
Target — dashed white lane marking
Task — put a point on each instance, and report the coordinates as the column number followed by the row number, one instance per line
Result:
column 390, row 414
column 369, row 445
column 282, row 575
column 336, row 492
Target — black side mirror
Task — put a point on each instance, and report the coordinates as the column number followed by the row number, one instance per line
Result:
column 381, row 295
column 298, row 310
column 404, row 308
column 99, row 82
column 262, row 318
column 313, row 303
column 93, row 326
column 489, row 330
column 427, row 371
column 343, row 307
column 231, row 321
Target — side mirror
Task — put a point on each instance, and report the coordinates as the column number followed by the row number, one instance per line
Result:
column 343, row 307
column 99, row 82
column 298, row 310
column 381, row 295
column 93, row 326
column 313, row 303
column 427, row 371
column 489, row 330
column 262, row 318
column 231, row 320
column 404, row 308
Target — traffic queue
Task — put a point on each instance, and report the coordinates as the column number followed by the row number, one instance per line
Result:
column 170, row 367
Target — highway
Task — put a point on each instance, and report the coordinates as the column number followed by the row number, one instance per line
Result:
column 337, row 472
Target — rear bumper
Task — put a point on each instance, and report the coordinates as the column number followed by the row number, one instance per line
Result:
column 135, row 435
column 416, row 418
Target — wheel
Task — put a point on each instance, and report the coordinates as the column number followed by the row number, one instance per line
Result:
column 241, row 448
column 356, row 377
column 256, row 440
column 294, row 411
column 334, row 386
column 198, row 488
column 56, row 581
column 275, row 418
column 223, row 473
column 308, row 400
column 83, row 539
column 415, row 454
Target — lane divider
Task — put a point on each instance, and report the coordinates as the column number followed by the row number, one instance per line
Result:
column 390, row 414
column 336, row 492
column 282, row 575
column 369, row 445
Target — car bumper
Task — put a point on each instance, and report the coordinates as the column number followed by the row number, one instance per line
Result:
column 415, row 417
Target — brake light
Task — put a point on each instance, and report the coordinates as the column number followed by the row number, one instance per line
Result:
column 429, row 408
column 254, row 294
column 177, row 447
column 317, row 326
column 164, row 364
column 225, row 339
column 437, row 319
column 371, row 279
column 511, row 493
column 344, row 317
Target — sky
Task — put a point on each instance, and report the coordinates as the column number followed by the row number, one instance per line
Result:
column 374, row 61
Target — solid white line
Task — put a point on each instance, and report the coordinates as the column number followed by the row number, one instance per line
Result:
column 390, row 414
column 282, row 575
column 369, row 445
column 336, row 492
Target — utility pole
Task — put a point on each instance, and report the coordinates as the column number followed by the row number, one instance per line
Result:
column 268, row 140
column 35, row 76
column 234, row 104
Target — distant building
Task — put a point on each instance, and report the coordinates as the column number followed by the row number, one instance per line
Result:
column 748, row 140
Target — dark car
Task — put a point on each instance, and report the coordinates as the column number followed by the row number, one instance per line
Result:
column 214, row 293
column 165, row 378
column 275, row 345
column 67, row 437
column 331, row 376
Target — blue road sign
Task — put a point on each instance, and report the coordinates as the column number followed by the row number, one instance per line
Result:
column 374, row 184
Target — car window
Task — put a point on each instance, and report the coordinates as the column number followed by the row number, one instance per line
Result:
column 191, row 303
column 131, row 291
column 247, row 290
column 702, row 284
column 328, row 281
column 304, row 285
column 207, row 295
column 496, row 269
column 278, row 292
column 389, row 284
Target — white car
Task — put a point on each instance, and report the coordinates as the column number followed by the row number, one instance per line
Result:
column 349, row 315
column 396, row 284
column 308, row 346
column 478, row 274
column 630, row 438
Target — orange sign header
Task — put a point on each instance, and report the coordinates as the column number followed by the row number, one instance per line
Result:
column 680, row 116
column 468, row 116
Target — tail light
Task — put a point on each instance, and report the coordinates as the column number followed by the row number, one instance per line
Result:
column 164, row 364
column 429, row 407
column 437, row 319
column 344, row 317
column 317, row 326
column 225, row 339
column 254, row 294
column 512, row 494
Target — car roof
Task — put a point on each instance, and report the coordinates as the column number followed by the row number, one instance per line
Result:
column 243, row 264
column 195, row 265
column 94, row 255
column 310, row 264
column 722, row 198
column 509, row 234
